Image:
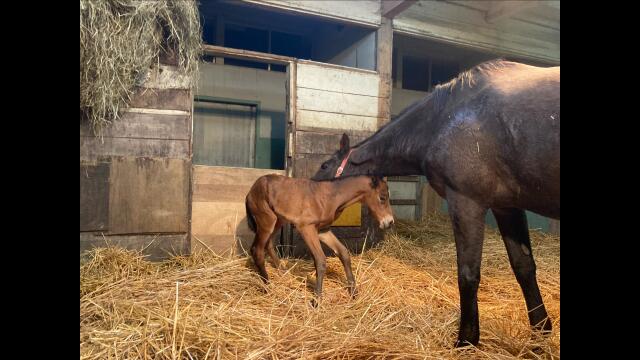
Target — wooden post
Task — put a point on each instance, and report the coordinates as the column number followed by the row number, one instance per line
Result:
column 384, row 56
column 431, row 201
column 554, row 227
column 219, row 37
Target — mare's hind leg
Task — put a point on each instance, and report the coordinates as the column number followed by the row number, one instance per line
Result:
column 467, row 218
column 515, row 234
column 265, row 224
column 329, row 239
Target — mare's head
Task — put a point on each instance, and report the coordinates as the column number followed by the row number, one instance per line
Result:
column 345, row 162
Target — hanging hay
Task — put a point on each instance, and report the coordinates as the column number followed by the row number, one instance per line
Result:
column 121, row 39
column 215, row 307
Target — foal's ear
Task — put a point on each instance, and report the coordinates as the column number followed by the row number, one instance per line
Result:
column 375, row 181
column 344, row 143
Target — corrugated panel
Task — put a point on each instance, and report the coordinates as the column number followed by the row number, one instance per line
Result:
column 522, row 35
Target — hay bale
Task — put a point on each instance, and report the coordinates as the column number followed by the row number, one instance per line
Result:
column 121, row 39
column 407, row 305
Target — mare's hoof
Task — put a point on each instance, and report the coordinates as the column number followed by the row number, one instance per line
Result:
column 465, row 343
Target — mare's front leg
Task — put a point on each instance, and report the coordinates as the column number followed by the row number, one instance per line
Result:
column 310, row 235
column 329, row 239
column 515, row 233
column 467, row 218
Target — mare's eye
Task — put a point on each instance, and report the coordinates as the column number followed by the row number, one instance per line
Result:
column 324, row 166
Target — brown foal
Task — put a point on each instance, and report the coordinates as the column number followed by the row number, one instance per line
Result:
column 311, row 206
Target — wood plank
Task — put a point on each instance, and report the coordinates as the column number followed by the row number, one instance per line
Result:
column 219, row 218
column 431, row 201
column 335, row 102
column 94, row 197
column 229, row 175
column 308, row 164
column 246, row 54
column 502, row 9
column 403, row 202
column 156, row 246
column 320, row 77
column 404, row 178
column 337, row 121
column 139, row 200
column 310, row 142
column 404, row 212
column 391, row 8
column 92, row 148
column 364, row 12
column 145, row 126
column 219, row 193
column 166, row 77
column 173, row 99
column 350, row 132
column 401, row 190
column 223, row 244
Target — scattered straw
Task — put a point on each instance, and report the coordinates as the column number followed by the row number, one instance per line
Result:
column 407, row 304
column 121, row 39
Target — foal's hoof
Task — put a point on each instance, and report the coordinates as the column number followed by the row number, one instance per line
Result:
column 315, row 303
column 353, row 291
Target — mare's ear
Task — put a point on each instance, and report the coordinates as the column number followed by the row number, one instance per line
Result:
column 344, row 143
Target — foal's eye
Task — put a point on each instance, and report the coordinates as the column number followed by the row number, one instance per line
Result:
column 324, row 166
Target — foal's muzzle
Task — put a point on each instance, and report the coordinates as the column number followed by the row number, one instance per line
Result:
column 386, row 222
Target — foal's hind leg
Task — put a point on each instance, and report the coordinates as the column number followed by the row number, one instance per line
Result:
column 273, row 255
column 515, row 233
column 265, row 224
column 329, row 239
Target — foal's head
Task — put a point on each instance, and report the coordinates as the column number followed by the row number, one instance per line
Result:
column 377, row 200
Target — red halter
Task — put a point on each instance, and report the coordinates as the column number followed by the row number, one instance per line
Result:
column 344, row 163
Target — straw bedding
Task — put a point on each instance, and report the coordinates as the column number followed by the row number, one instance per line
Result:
column 215, row 307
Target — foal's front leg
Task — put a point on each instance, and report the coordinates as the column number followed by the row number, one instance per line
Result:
column 329, row 239
column 467, row 218
column 310, row 235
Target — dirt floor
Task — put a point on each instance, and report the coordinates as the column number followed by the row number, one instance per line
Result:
column 216, row 307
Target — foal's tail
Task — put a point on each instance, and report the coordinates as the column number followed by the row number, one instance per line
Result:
column 251, row 221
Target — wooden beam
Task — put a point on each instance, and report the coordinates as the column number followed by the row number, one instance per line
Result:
column 384, row 59
column 503, row 9
column 391, row 8
column 246, row 54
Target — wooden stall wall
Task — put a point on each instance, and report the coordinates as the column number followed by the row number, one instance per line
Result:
column 219, row 216
column 331, row 100
column 135, row 179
